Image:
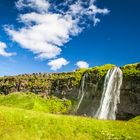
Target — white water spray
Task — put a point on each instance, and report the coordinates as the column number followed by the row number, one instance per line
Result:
column 81, row 91
column 111, row 95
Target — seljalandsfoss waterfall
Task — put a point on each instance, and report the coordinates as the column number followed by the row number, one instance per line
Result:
column 109, row 99
column 111, row 95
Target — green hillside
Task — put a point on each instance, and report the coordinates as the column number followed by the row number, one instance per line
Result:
column 31, row 101
column 20, row 120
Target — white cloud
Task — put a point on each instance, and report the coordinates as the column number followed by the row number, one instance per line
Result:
column 39, row 5
column 48, row 27
column 78, row 10
column 82, row 64
column 57, row 63
column 3, row 52
column 45, row 37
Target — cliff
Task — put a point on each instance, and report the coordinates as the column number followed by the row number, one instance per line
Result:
column 67, row 85
column 129, row 105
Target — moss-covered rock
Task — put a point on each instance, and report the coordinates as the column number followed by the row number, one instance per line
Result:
column 67, row 85
column 40, row 83
column 98, row 72
column 131, row 70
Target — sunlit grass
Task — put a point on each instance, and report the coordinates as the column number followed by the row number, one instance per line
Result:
column 35, row 102
column 21, row 124
column 26, row 117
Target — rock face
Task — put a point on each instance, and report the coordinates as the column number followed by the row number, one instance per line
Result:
column 67, row 85
column 129, row 106
column 57, row 84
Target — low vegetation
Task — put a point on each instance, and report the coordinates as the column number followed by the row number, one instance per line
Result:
column 27, row 116
column 97, row 73
column 21, row 124
column 48, row 83
column 136, row 120
column 131, row 70
column 40, row 82
column 31, row 101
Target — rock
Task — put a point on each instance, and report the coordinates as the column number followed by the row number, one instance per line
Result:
column 66, row 85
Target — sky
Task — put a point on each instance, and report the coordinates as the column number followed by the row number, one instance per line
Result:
column 61, row 36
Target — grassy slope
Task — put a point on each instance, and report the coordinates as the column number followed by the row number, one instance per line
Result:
column 24, row 117
column 136, row 120
column 35, row 102
column 21, row 124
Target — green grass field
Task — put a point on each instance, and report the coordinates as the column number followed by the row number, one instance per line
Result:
column 31, row 101
column 20, row 123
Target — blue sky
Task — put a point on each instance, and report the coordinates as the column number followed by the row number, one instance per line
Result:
column 115, row 39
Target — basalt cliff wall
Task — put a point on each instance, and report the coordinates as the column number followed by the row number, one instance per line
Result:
column 67, row 85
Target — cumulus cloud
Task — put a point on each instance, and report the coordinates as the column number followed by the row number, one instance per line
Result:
column 39, row 5
column 82, row 64
column 57, row 63
column 3, row 52
column 49, row 25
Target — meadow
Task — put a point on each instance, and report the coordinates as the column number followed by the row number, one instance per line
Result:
column 20, row 120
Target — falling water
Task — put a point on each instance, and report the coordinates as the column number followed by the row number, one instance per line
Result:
column 111, row 95
column 81, row 91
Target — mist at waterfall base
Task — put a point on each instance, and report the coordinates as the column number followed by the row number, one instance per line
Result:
column 110, row 96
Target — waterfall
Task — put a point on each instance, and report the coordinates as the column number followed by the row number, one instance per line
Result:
column 81, row 91
column 111, row 95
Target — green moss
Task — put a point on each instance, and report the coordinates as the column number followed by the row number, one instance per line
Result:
column 40, row 83
column 98, row 72
column 47, row 83
column 31, row 101
column 81, row 70
column 131, row 70
column 136, row 120
column 101, row 70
